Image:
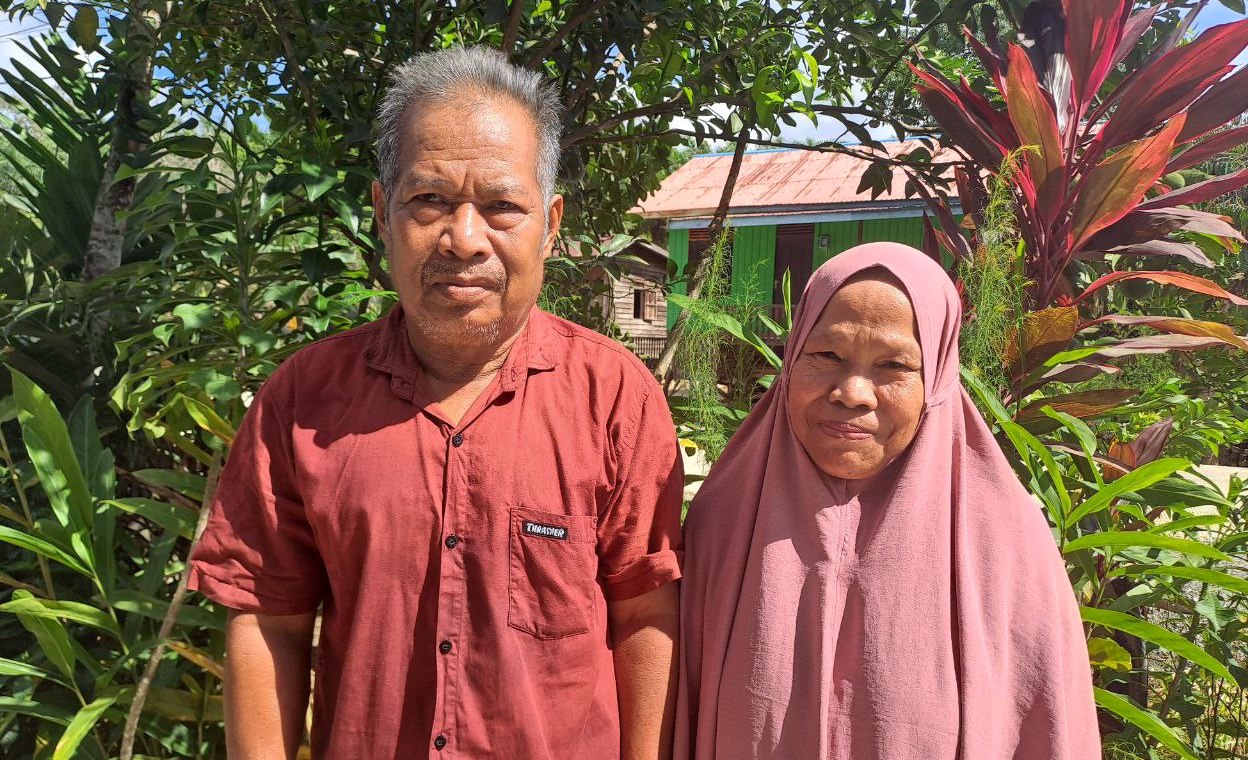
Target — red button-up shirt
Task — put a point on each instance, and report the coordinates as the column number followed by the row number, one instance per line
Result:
column 464, row 569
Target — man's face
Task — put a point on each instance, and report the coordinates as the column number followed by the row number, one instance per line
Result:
column 465, row 228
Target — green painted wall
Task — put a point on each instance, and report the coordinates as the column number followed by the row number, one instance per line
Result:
column 754, row 252
column 753, row 263
column 845, row 235
column 678, row 251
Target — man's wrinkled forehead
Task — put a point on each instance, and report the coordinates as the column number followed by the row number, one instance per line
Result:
column 489, row 132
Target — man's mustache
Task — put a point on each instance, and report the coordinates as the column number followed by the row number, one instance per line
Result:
column 490, row 274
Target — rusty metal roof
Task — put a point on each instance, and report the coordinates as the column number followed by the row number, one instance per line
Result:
column 772, row 180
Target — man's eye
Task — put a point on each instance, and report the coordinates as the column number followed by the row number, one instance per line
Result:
column 505, row 206
column 427, row 198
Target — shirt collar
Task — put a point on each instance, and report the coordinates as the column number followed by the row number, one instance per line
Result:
column 391, row 352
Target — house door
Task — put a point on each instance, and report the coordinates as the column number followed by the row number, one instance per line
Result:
column 795, row 252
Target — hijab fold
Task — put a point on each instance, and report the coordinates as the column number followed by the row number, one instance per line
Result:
column 924, row 614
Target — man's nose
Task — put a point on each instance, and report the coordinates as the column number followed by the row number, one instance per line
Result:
column 463, row 235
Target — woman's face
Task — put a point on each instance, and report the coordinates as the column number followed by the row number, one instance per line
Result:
column 856, row 388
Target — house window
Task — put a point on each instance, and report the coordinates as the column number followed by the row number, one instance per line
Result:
column 646, row 304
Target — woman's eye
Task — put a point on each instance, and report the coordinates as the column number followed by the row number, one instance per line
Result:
column 829, row 355
column 898, row 366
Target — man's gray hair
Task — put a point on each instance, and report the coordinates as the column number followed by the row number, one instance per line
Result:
column 446, row 75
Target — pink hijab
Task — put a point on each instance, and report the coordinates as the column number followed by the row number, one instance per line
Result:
column 926, row 618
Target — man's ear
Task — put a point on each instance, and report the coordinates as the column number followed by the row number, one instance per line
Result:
column 379, row 211
column 554, row 216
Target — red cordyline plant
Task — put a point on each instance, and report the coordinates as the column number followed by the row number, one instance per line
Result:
column 1090, row 183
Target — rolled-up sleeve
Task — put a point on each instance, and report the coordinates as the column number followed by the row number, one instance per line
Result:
column 258, row 553
column 639, row 537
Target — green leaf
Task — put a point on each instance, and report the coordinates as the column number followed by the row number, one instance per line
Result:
column 188, row 484
column 196, row 316
column 1141, row 477
column 84, row 27
column 1144, row 720
column 63, row 610
column 80, row 726
column 95, row 460
column 15, row 668
column 172, row 518
column 44, row 548
column 52, row 637
column 260, row 340
column 1125, row 539
column 1108, row 654
column 24, row 706
column 52, row 452
column 141, row 604
column 1196, row 521
column 1201, row 574
column 1155, row 634
column 208, row 419
column 1080, row 429
column 317, row 180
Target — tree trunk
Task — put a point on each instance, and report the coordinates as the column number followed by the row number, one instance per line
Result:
column 108, row 225
column 696, row 269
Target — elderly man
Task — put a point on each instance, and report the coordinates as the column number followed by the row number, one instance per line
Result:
column 484, row 498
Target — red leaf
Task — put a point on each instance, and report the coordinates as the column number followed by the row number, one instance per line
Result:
column 1199, row 192
column 1221, row 104
column 1178, row 279
column 1115, row 186
column 1143, row 226
column 959, row 128
column 949, row 234
column 1036, row 124
column 971, row 193
column 1093, row 28
column 1154, row 248
column 993, row 63
column 1176, row 325
column 1081, row 405
column 1170, row 84
column 1155, row 344
column 1069, row 373
column 1151, row 441
column 1132, row 31
column 1211, row 146
column 1043, row 334
column 998, row 124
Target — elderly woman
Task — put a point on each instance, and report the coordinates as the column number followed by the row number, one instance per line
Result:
column 865, row 577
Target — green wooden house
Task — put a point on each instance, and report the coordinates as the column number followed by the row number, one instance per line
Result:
column 791, row 211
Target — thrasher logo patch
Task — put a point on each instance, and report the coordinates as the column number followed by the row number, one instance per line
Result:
column 546, row 531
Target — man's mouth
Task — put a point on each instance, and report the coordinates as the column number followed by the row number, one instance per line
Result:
column 464, row 290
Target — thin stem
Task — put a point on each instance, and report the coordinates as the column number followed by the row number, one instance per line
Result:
column 170, row 619
column 44, row 569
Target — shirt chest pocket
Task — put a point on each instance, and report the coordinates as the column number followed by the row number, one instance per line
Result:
column 553, row 569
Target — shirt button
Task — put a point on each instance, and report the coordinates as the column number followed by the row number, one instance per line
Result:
column 451, row 541
column 445, row 647
column 457, row 439
column 439, row 742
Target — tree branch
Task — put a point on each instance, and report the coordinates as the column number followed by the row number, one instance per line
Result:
column 589, row 11
column 667, row 106
column 292, row 62
column 513, row 27
column 170, row 619
column 697, row 269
